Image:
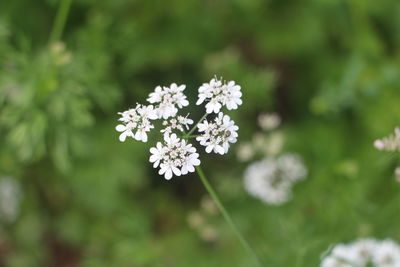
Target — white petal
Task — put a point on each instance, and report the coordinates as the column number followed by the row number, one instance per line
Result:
column 120, row 128
column 144, row 137
column 138, row 135
column 155, row 165
column 201, row 100
column 163, row 169
column 153, row 150
column 184, row 170
column 191, row 168
column 122, row 137
column 153, row 158
column 195, row 162
column 168, row 174
column 220, row 150
column 176, row 171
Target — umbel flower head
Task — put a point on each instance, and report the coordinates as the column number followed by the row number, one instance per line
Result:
column 364, row 253
column 271, row 179
column 219, row 94
column 217, row 135
column 389, row 143
column 179, row 123
column 175, row 155
column 136, row 119
column 168, row 100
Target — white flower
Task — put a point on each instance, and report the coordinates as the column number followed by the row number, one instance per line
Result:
column 168, row 100
column 219, row 94
column 180, row 123
column 218, row 135
column 271, row 180
column 387, row 254
column 334, row 262
column 397, row 173
column 389, row 143
column 363, row 250
column 269, row 121
column 363, row 253
column 292, row 167
column 10, row 196
column 260, row 180
column 245, row 151
column 137, row 119
column 175, row 156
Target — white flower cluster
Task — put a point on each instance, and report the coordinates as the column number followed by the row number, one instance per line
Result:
column 138, row 119
column 175, row 155
column 269, row 142
column 389, row 143
column 180, row 123
column 201, row 220
column 363, row 253
column 219, row 94
column 168, row 100
column 271, row 179
column 269, row 121
column 218, row 134
column 10, row 196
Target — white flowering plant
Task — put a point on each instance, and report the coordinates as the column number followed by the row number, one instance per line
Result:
column 363, row 253
column 271, row 178
column 174, row 154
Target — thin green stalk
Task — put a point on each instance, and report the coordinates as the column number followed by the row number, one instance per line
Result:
column 190, row 136
column 226, row 215
column 61, row 19
column 195, row 126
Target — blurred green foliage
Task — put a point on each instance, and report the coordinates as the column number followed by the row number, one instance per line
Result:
column 330, row 68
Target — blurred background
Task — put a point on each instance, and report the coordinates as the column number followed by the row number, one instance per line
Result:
column 72, row 195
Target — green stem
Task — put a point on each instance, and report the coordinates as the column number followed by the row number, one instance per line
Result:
column 226, row 215
column 189, row 136
column 61, row 19
column 195, row 126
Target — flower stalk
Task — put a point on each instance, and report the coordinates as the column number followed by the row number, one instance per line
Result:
column 61, row 19
column 226, row 215
column 195, row 126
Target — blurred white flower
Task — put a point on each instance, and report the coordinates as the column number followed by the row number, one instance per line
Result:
column 220, row 94
column 387, row 254
column 10, row 197
column 274, row 144
column 291, row 166
column 208, row 205
column 269, row 121
column 363, row 253
column 175, row 156
column 180, row 123
column 216, row 136
column 168, row 100
column 389, row 143
column 208, row 233
column 245, row 151
column 137, row 119
column 397, row 173
column 271, row 180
